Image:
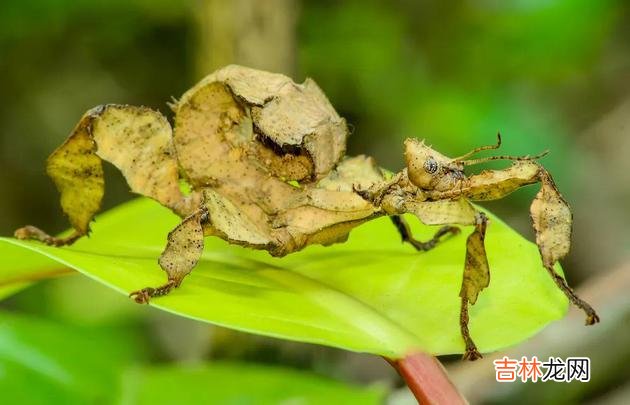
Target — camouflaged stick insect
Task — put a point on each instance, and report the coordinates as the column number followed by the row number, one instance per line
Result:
column 265, row 159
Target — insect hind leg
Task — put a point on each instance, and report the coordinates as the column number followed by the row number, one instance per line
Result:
column 137, row 141
column 181, row 255
column 405, row 232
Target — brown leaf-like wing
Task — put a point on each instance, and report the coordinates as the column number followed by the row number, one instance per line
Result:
column 442, row 212
column 242, row 135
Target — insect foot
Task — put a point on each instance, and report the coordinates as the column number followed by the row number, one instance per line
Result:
column 472, row 354
column 144, row 296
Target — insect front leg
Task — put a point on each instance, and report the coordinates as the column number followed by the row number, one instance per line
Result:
column 476, row 275
column 552, row 221
column 551, row 216
column 476, row 278
column 182, row 252
column 405, row 232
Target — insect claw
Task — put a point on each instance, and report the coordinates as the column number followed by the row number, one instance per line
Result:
column 592, row 319
column 142, row 296
column 472, row 354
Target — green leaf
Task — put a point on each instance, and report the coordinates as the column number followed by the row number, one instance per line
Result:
column 225, row 383
column 372, row 294
column 45, row 362
column 18, row 270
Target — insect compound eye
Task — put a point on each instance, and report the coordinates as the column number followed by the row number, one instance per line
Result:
column 431, row 166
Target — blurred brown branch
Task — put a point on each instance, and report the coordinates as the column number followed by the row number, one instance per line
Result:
column 258, row 34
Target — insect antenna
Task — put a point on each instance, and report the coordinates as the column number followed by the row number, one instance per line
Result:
column 481, row 148
column 487, row 159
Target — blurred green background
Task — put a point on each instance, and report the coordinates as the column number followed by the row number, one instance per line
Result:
column 548, row 74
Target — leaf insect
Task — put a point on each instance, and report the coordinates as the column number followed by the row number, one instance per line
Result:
column 243, row 139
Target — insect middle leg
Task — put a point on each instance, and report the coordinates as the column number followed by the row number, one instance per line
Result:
column 405, row 233
column 476, row 275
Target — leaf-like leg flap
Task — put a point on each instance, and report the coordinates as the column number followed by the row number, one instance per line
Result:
column 552, row 221
column 405, row 233
column 476, row 278
column 182, row 252
column 442, row 212
column 78, row 174
column 476, row 269
column 137, row 140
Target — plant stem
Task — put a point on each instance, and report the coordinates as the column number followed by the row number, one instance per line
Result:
column 427, row 379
